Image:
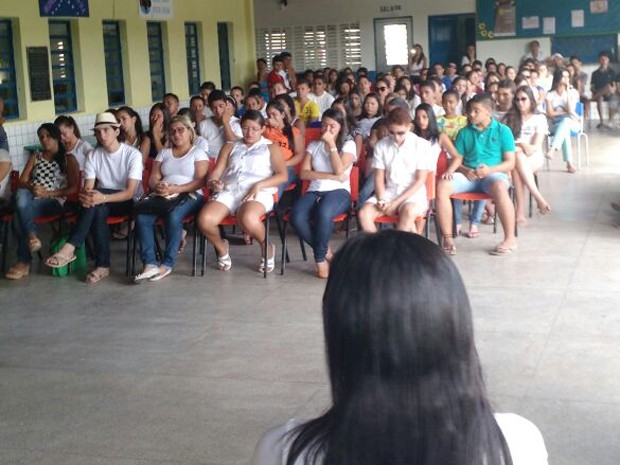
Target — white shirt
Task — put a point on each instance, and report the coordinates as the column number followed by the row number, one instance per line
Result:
column 321, row 163
column 560, row 102
column 438, row 110
column 247, row 166
column 401, row 164
column 525, row 442
column 80, row 152
column 324, row 101
column 364, row 126
column 214, row 134
column 112, row 170
column 202, row 144
column 535, row 124
column 180, row 170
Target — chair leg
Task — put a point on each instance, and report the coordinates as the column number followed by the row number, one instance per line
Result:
column 284, row 250
column 266, row 245
column 5, row 243
column 130, row 236
column 203, row 249
column 194, row 248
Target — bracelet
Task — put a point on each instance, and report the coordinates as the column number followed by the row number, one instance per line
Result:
column 333, row 149
column 104, row 198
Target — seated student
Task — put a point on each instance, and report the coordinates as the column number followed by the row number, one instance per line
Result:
column 131, row 126
column 205, row 89
column 236, row 92
column 197, row 104
column 258, row 95
column 178, row 170
column 562, row 100
column 327, row 165
column 603, row 86
column 505, row 95
column 401, row 162
column 320, row 96
column 199, row 141
column 406, row 381
column 72, row 139
column 459, row 85
column 275, row 75
column 530, row 130
column 428, row 96
column 112, row 175
column 371, row 112
column 364, row 86
column 307, row 110
column 288, row 138
column 291, row 113
column 487, row 148
column 48, row 178
column 222, row 127
column 172, row 103
column 156, row 139
column 246, row 175
column 580, row 82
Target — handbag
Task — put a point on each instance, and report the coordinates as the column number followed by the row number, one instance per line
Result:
column 154, row 204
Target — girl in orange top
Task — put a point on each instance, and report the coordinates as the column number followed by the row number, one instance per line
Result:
column 290, row 140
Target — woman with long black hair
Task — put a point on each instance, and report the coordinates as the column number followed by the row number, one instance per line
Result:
column 406, row 382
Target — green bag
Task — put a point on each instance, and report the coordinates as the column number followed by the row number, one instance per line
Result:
column 78, row 264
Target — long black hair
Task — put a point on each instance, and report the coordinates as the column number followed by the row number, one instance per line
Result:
column 558, row 74
column 432, row 132
column 137, row 125
column 287, row 130
column 167, row 117
column 69, row 121
column 61, row 156
column 406, row 381
column 339, row 118
column 513, row 118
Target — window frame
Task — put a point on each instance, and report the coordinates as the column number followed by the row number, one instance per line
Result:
column 11, row 97
column 159, row 60
column 193, row 84
column 118, row 62
column 69, row 67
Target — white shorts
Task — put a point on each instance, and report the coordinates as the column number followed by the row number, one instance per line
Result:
column 233, row 200
column 419, row 202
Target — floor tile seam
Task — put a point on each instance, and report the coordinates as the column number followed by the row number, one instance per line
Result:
column 106, row 457
column 162, row 375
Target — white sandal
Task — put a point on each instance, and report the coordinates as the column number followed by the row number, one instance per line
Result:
column 271, row 262
column 224, row 263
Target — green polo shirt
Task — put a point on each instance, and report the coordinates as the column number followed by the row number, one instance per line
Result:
column 484, row 147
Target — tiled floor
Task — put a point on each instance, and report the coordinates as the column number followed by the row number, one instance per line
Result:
column 193, row 370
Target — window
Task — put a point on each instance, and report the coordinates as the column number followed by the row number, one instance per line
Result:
column 334, row 45
column 8, row 80
column 113, row 63
column 63, row 74
column 192, row 52
column 156, row 60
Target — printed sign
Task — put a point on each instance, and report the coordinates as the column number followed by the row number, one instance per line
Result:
column 155, row 9
column 63, row 8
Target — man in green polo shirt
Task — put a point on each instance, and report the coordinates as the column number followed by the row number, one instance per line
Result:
column 487, row 150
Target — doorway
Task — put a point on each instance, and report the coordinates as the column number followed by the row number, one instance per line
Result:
column 393, row 39
column 449, row 36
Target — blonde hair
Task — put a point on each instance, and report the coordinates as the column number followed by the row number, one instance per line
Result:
column 185, row 121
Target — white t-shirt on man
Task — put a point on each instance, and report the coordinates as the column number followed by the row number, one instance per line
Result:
column 214, row 134
column 112, row 170
column 324, row 101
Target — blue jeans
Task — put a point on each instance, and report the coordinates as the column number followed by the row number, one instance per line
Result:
column 367, row 189
column 292, row 177
column 173, row 223
column 476, row 213
column 313, row 216
column 94, row 220
column 27, row 208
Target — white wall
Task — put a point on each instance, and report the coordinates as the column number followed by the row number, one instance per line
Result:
column 268, row 13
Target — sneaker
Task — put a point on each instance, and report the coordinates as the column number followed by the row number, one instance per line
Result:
column 148, row 273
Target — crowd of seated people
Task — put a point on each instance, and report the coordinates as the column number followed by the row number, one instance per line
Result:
column 487, row 122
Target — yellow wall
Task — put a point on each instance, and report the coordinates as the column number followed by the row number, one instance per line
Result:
column 32, row 30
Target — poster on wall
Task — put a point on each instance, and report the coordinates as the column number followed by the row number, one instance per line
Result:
column 505, row 18
column 155, row 9
column 71, row 8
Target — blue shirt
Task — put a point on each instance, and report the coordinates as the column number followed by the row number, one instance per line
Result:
column 484, row 147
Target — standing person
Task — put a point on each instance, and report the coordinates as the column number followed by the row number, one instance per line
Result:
column 223, row 126
column 307, row 110
column 261, row 76
column 244, row 179
column 46, row 181
column 470, row 55
column 561, row 103
column 401, row 161
column 603, row 86
column 407, row 385
column 72, row 139
column 580, row 82
column 320, row 96
column 534, row 53
column 112, row 175
column 288, row 71
column 277, row 69
column 178, row 170
column 327, row 165
column 487, row 148
column 417, row 61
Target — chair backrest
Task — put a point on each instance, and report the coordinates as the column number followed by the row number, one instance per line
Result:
column 442, row 163
column 312, row 134
column 362, row 160
column 74, row 198
column 354, row 179
column 431, row 182
column 146, row 174
column 579, row 111
column 13, row 180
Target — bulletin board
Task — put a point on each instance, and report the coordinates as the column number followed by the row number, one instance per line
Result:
column 501, row 19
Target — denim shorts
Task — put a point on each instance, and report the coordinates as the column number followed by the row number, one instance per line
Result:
column 461, row 184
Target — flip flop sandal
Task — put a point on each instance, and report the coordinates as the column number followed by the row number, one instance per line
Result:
column 450, row 249
column 60, row 259
column 503, row 250
column 14, row 273
column 271, row 262
column 472, row 234
column 95, row 276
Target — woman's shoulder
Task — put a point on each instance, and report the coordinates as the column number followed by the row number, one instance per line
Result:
column 524, row 439
column 273, row 446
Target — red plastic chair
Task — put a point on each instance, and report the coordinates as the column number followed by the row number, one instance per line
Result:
column 354, row 183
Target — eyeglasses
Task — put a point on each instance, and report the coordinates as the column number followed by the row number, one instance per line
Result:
column 381, row 89
column 521, row 99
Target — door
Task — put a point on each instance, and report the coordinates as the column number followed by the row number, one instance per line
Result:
column 393, row 39
column 449, row 36
column 224, row 52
